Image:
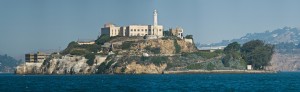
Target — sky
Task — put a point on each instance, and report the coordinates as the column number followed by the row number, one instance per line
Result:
column 49, row 25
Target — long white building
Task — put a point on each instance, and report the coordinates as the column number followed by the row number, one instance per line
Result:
column 134, row 30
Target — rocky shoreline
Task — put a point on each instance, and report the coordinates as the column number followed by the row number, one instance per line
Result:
column 218, row 71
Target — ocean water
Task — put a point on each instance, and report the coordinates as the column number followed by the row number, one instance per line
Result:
column 288, row 81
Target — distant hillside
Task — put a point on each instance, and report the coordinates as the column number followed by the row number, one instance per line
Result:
column 286, row 35
column 287, row 47
column 8, row 63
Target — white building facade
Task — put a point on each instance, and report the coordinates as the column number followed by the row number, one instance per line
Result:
column 134, row 30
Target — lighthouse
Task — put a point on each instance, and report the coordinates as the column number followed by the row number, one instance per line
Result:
column 155, row 18
column 155, row 30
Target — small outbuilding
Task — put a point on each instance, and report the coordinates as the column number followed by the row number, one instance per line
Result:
column 249, row 67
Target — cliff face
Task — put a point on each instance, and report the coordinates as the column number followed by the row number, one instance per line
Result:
column 134, row 68
column 57, row 66
column 167, row 46
column 130, row 60
column 285, row 62
column 109, row 66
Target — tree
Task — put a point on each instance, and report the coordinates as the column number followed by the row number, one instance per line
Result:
column 232, row 47
column 257, row 53
column 102, row 39
column 232, row 53
column 71, row 45
column 251, row 45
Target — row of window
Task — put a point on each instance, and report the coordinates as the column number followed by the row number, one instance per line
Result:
column 115, row 33
column 135, row 30
column 142, row 30
column 137, row 34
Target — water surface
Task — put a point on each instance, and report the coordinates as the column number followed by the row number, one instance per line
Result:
column 289, row 81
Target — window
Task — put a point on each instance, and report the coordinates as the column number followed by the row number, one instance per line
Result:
column 142, row 29
column 130, row 29
column 159, row 29
column 145, row 29
column 134, row 29
column 138, row 29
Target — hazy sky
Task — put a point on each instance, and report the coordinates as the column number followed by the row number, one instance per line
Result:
column 32, row 25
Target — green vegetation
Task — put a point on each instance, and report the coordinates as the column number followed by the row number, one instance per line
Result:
column 79, row 52
column 232, row 53
column 196, row 66
column 153, row 50
column 143, row 58
column 257, row 53
column 102, row 39
column 177, row 46
column 189, row 36
column 76, row 49
column 104, row 67
column 156, row 60
column 212, row 65
column 109, row 64
column 232, row 47
column 205, row 55
column 126, row 45
column 90, row 57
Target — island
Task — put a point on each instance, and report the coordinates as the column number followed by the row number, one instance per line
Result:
column 148, row 49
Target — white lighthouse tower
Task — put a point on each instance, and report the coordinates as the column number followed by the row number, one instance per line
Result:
column 155, row 30
column 155, row 18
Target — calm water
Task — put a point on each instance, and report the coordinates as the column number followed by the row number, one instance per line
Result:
column 179, row 82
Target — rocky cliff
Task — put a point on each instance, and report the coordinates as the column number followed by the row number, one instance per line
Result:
column 128, row 57
column 168, row 46
column 70, row 65
column 134, row 68
column 285, row 62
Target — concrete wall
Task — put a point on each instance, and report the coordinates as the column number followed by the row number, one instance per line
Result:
column 188, row 40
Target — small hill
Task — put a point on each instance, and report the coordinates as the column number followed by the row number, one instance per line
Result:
column 8, row 63
column 283, row 35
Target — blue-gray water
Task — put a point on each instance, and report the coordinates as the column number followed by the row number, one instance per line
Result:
column 177, row 82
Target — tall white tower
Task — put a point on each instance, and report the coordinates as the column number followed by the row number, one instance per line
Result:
column 155, row 18
column 155, row 31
